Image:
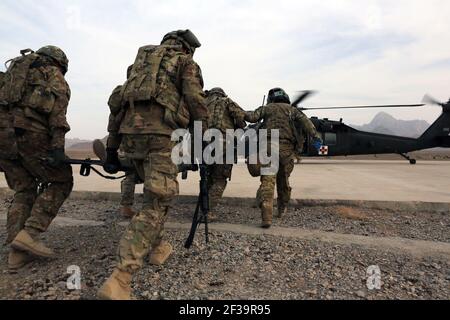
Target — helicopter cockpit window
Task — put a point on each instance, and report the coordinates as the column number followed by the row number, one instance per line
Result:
column 330, row 139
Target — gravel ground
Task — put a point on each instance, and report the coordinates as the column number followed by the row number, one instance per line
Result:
column 236, row 266
column 432, row 226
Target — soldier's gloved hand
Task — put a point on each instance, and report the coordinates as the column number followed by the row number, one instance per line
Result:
column 112, row 163
column 56, row 157
column 317, row 143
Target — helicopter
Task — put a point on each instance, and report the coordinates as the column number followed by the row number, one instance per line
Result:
column 340, row 139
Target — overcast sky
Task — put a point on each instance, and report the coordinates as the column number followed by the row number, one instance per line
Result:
column 352, row 52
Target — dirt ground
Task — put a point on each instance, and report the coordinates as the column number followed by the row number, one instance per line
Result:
column 243, row 266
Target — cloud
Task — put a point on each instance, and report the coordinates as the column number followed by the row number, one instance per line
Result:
column 354, row 52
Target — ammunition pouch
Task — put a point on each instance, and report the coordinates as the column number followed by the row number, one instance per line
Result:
column 41, row 99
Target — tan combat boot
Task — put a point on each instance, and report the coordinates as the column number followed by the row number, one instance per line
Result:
column 117, row 287
column 127, row 212
column 18, row 259
column 25, row 242
column 161, row 253
column 267, row 213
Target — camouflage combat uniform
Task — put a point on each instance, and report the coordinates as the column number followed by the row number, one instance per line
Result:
column 128, row 185
column 280, row 116
column 29, row 130
column 224, row 114
column 144, row 133
column 128, row 189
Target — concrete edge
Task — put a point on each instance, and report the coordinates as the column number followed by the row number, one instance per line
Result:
column 414, row 206
column 417, row 248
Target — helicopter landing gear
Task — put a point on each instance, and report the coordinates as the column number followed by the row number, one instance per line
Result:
column 411, row 161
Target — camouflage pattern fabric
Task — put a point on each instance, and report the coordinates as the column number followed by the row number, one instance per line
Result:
column 29, row 130
column 43, row 106
column 281, row 179
column 218, row 180
column 279, row 116
column 157, row 116
column 156, row 168
column 145, row 131
column 128, row 188
column 31, row 210
column 224, row 114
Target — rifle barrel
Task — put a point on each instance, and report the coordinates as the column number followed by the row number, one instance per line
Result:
column 84, row 162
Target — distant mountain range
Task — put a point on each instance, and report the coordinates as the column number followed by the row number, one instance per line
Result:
column 386, row 124
column 382, row 123
column 71, row 143
column 78, row 144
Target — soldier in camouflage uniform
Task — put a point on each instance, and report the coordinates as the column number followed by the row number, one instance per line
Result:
column 128, row 189
column 279, row 114
column 164, row 93
column 32, row 138
column 224, row 114
column 128, row 185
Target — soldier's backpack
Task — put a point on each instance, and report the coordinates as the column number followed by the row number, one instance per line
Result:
column 15, row 77
column 219, row 117
column 149, row 82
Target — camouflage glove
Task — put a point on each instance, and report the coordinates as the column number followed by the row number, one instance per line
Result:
column 56, row 157
column 317, row 143
column 112, row 163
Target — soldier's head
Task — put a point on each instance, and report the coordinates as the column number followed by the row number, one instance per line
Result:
column 184, row 37
column 56, row 55
column 278, row 95
column 216, row 92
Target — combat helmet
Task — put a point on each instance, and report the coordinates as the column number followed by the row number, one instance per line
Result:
column 57, row 55
column 278, row 95
column 186, row 37
column 217, row 91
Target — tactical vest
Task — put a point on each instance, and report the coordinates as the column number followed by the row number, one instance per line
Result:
column 155, row 77
column 278, row 116
column 219, row 116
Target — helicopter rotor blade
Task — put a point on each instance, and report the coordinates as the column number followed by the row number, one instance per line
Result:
column 430, row 100
column 367, row 107
column 303, row 95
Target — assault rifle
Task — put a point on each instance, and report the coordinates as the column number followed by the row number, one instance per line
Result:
column 202, row 209
column 88, row 165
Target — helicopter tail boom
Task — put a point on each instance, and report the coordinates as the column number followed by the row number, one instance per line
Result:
column 438, row 134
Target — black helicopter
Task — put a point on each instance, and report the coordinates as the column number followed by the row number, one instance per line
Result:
column 340, row 139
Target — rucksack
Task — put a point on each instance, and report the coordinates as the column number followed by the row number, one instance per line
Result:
column 219, row 115
column 15, row 77
column 149, row 82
